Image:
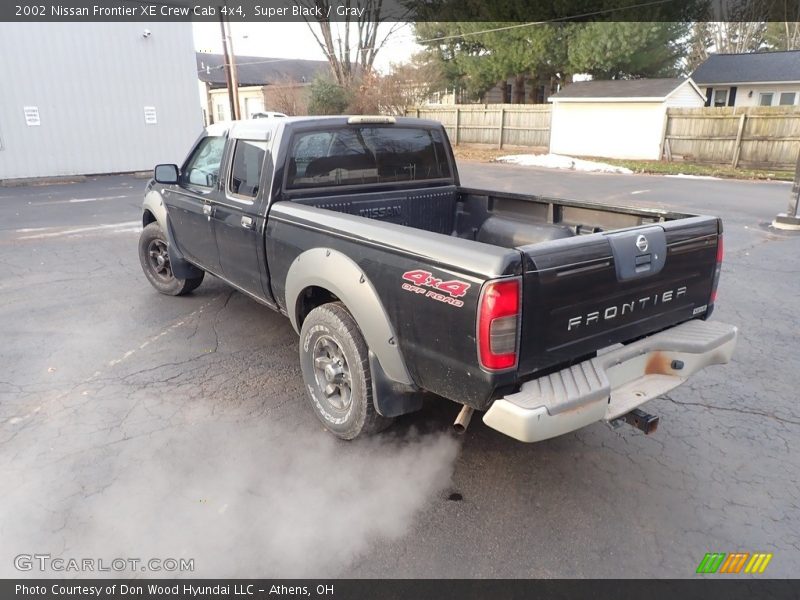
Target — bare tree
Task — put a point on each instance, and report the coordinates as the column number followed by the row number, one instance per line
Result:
column 335, row 38
column 408, row 84
column 725, row 37
column 287, row 96
column 742, row 37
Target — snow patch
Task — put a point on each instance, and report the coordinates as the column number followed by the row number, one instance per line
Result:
column 685, row 176
column 557, row 161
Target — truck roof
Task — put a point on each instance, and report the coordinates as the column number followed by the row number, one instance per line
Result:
column 264, row 128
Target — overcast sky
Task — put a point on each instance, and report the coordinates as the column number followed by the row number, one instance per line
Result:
column 293, row 40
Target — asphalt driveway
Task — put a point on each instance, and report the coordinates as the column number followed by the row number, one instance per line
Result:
column 139, row 425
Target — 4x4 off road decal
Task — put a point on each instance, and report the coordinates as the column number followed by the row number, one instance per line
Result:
column 423, row 279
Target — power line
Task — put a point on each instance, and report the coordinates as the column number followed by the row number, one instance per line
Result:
column 554, row 20
column 492, row 30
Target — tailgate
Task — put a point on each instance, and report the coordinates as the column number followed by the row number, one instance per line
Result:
column 588, row 292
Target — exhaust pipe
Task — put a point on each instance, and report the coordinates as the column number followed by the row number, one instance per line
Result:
column 462, row 420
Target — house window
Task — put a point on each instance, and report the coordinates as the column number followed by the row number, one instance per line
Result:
column 222, row 114
column 721, row 97
column 787, row 99
column 765, row 98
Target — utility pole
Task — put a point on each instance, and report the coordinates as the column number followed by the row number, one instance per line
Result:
column 790, row 220
column 230, row 65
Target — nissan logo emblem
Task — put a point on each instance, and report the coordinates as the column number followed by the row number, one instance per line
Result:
column 641, row 243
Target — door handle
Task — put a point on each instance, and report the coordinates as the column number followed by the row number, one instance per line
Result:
column 247, row 222
column 208, row 210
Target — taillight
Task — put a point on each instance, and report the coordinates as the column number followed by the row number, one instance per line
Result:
column 498, row 324
column 717, row 270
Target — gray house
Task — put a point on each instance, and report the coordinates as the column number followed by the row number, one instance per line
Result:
column 86, row 98
column 755, row 79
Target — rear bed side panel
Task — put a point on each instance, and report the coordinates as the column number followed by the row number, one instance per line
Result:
column 435, row 330
column 574, row 303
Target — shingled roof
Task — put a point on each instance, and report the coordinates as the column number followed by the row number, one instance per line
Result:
column 749, row 68
column 644, row 89
column 259, row 70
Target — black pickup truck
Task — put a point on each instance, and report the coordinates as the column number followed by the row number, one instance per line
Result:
column 547, row 314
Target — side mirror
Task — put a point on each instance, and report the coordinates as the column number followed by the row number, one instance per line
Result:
column 166, row 173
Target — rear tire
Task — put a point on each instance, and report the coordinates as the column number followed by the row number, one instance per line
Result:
column 156, row 266
column 335, row 361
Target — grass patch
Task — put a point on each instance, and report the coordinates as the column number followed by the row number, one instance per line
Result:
column 486, row 153
column 683, row 168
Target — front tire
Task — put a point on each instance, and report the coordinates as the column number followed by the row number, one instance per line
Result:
column 335, row 363
column 154, row 258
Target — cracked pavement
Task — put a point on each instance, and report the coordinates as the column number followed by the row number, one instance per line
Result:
column 139, row 425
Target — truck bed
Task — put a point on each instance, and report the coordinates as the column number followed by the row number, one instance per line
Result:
column 560, row 248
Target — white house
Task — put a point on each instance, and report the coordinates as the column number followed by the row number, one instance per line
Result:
column 617, row 118
column 88, row 98
column 755, row 79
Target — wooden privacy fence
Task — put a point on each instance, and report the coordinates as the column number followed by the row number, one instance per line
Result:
column 498, row 124
column 750, row 137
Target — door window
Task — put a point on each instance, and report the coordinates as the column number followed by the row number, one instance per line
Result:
column 246, row 166
column 202, row 168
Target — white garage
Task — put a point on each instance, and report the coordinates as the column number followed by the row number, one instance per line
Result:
column 617, row 118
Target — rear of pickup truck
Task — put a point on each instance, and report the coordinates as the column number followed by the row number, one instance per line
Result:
column 548, row 314
column 546, row 337
column 609, row 321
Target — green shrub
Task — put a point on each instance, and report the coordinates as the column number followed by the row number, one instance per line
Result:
column 327, row 98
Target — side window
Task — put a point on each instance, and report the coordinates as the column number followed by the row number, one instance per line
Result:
column 248, row 160
column 202, row 168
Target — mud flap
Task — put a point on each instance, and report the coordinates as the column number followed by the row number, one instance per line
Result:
column 181, row 268
column 392, row 399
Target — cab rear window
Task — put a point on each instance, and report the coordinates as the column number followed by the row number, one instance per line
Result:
column 366, row 155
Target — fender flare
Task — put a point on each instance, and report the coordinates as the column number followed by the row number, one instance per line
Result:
column 182, row 268
column 154, row 203
column 340, row 275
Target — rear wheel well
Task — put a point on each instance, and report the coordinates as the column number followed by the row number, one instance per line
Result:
column 147, row 218
column 309, row 299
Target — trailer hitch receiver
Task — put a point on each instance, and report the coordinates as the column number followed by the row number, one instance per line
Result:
column 641, row 420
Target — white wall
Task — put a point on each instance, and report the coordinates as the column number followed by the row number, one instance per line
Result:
column 685, row 96
column 91, row 82
column 743, row 97
column 251, row 100
column 607, row 129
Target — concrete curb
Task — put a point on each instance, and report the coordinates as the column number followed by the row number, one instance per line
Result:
column 61, row 179
column 786, row 223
